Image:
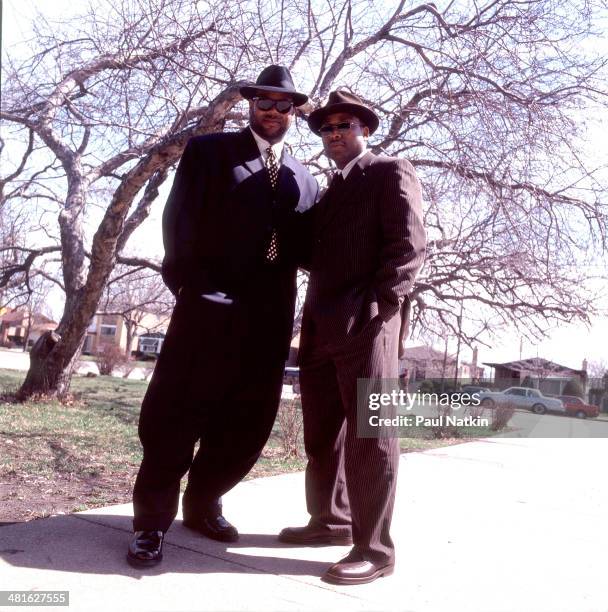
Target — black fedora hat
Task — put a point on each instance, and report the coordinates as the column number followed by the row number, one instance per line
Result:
column 276, row 79
column 344, row 102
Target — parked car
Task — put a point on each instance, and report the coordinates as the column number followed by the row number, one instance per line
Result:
column 469, row 390
column 576, row 407
column 291, row 376
column 522, row 397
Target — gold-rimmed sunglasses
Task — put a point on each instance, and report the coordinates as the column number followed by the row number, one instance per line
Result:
column 342, row 127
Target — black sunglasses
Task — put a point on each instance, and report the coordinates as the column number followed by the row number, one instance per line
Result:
column 342, row 127
column 265, row 104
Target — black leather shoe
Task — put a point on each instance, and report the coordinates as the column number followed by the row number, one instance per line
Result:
column 312, row 536
column 355, row 570
column 214, row 527
column 146, row 549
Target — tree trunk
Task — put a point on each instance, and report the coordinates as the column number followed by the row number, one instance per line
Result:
column 54, row 355
column 28, row 330
column 51, row 367
column 129, row 327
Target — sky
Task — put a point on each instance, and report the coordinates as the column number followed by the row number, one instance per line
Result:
column 568, row 345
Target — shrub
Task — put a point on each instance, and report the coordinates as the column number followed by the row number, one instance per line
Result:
column 290, row 427
column 528, row 382
column 444, row 430
column 476, row 411
column 573, row 387
column 426, row 386
column 437, row 385
column 501, row 415
column 109, row 357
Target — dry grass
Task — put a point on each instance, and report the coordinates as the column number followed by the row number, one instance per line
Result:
column 63, row 457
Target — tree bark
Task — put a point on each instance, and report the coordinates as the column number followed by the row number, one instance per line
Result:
column 52, row 360
column 51, row 367
column 129, row 326
column 28, row 330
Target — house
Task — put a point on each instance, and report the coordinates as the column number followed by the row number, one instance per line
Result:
column 113, row 329
column 424, row 362
column 421, row 363
column 294, row 347
column 149, row 344
column 471, row 371
column 19, row 327
column 547, row 376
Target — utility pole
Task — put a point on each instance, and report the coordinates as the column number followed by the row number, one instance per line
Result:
column 445, row 359
column 459, row 319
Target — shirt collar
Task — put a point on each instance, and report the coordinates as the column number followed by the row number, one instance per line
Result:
column 346, row 170
column 277, row 148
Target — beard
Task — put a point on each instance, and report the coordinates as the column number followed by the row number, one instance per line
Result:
column 269, row 130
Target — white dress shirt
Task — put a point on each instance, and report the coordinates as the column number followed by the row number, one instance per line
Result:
column 349, row 166
column 277, row 147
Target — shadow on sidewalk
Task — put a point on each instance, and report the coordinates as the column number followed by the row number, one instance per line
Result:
column 97, row 544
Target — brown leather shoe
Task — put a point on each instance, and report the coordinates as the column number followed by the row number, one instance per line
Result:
column 354, row 570
column 312, row 536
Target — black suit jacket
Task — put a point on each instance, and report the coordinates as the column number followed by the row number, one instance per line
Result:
column 217, row 225
column 368, row 245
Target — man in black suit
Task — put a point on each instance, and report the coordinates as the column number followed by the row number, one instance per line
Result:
column 232, row 233
column 368, row 246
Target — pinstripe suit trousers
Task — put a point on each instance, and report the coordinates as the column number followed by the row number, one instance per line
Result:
column 350, row 480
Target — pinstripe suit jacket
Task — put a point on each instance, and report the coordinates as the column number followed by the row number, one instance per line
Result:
column 368, row 245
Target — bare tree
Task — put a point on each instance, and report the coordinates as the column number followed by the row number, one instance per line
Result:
column 140, row 297
column 486, row 100
column 596, row 368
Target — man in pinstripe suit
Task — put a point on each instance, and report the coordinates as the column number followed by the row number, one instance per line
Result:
column 368, row 245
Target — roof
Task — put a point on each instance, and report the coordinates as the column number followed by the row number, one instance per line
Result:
column 52, row 326
column 537, row 365
column 155, row 334
column 16, row 316
column 425, row 353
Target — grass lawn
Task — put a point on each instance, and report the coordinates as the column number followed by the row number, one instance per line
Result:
column 137, row 363
column 62, row 457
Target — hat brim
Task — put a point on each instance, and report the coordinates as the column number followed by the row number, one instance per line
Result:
column 367, row 116
column 251, row 91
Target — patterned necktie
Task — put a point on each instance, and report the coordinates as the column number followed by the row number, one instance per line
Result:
column 272, row 252
column 273, row 167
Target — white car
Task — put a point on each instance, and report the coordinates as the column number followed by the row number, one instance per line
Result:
column 523, row 397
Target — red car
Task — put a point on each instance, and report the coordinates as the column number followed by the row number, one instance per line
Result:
column 576, row 407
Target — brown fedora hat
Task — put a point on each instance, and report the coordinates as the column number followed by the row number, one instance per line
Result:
column 344, row 102
column 275, row 79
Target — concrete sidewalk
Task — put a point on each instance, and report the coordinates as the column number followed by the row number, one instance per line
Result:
column 510, row 525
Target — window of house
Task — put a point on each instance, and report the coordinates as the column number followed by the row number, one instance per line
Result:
column 148, row 345
column 108, row 330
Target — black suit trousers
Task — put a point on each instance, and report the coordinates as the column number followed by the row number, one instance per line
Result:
column 217, row 382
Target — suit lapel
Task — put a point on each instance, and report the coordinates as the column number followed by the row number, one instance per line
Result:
column 251, row 157
column 253, row 161
column 287, row 171
column 337, row 199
